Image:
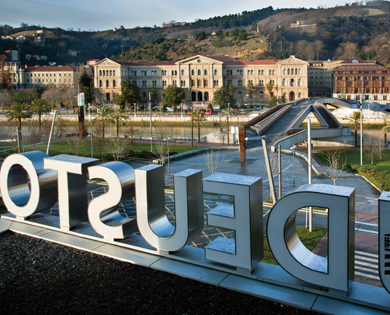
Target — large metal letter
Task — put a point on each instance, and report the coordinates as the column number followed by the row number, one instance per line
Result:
column 245, row 217
column 384, row 239
column 151, row 218
column 72, row 187
column 25, row 186
column 103, row 211
column 334, row 272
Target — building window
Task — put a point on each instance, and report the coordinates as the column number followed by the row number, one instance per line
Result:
column 182, row 83
column 164, row 72
column 215, row 72
column 164, row 83
column 240, row 94
column 205, row 83
column 229, row 72
column 284, row 82
column 192, row 83
column 134, row 82
column 199, row 72
column 174, row 83
column 215, row 82
column 154, row 83
column 107, row 84
column 113, row 83
column 174, row 72
column 205, row 72
column 229, row 82
column 182, row 72
column 299, row 82
column 239, row 82
column 192, row 72
column 143, row 82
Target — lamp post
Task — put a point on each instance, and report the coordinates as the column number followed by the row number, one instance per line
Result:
column 135, row 109
column 150, row 115
column 52, row 128
column 167, row 139
column 293, row 150
column 361, row 133
column 90, row 136
column 181, row 110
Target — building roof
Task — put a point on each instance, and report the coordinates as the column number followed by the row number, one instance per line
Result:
column 361, row 67
column 50, row 68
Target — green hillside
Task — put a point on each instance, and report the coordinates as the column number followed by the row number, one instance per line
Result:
column 354, row 30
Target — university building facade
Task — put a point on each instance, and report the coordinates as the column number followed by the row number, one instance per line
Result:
column 202, row 76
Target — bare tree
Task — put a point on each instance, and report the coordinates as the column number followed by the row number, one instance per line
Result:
column 5, row 98
column 335, row 164
column 213, row 159
column 373, row 146
column 117, row 148
column 161, row 146
column 75, row 142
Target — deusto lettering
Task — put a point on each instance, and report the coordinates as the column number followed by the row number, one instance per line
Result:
column 32, row 182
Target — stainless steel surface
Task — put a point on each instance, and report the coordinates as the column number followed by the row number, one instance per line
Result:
column 152, row 221
column 103, row 211
column 337, row 270
column 246, row 250
column 27, row 188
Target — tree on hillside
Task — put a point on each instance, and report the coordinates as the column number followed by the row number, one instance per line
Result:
column 250, row 88
column 173, row 96
column 224, row 96
column 200, row 35
column 355, row 118
column 39, row 106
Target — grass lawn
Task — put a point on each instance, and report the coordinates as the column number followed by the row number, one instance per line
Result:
column 100, row 150
column 309, row 239
column 378, row 172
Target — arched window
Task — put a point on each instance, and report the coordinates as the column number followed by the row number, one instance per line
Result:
column 108, row 97
column 205, row 72
column 100, row 83
column 284, row 71
column 215, row 72
column 288, row 71
column 113, row 83
column 206, row 96
column 110, row 73
column 199, row 83
column 299, row 82
column 284, row 82
column 296, row 71
column 199, row 72
column 205, row 83
column 292, row 82
column 104, row 73
column 107, row 84
column 100, row 73
column 144, row 94
column 182, row 72
column 240, row 94
column 193, row 97
column 192, row 72
column 192, row 83
column 113, row 73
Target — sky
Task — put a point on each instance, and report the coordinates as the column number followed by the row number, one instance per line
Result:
column 102, row 15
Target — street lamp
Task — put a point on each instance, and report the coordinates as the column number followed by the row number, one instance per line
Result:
column 90, row 136
column 52, row 128
column 150, row 114
column 293, row 150
column 361, row 132
column 167, row 139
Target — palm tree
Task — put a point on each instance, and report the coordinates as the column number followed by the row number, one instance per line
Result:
column 39, row 107
column 227, row 112
column 18, row 111
column 355, row 118
column 385, row 130
column 104, row 117
column 118, row 115
column 198, row 116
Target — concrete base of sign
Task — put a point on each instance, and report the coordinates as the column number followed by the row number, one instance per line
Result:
column 267, row 281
